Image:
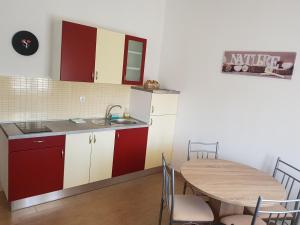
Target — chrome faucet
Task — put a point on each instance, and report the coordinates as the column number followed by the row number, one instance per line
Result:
column 108, row 110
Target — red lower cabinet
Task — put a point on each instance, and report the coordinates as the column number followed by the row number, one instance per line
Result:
column 36, row 169
column 130, row 151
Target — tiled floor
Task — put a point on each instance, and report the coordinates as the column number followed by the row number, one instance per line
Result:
column 131, row 203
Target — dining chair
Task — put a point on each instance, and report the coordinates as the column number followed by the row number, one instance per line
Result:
column 201, row 150
column 183, row 209
column 274, row 217
column 288, row 176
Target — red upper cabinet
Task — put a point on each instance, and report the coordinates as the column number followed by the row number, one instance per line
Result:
column 36, row 166
column 134, row 60
column 78, row 49
column 130, row 151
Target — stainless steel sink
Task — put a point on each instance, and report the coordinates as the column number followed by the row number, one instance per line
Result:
column 113, row 122
column 99, row 121
column 123, row 121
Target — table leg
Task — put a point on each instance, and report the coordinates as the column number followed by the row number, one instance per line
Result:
column 221, row 209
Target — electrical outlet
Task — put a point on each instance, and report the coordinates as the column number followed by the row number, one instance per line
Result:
column 82, row 99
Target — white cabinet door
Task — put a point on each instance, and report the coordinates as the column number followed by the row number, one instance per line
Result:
column 77, row 159
column 160, row 140
column 109, row 57
column 102, row 155
column 164, row 104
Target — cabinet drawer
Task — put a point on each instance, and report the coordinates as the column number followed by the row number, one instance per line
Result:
column 34, row 143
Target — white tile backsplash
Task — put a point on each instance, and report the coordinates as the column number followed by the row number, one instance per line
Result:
column 24, row 99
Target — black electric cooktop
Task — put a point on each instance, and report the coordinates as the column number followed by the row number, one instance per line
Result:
column 33, row 127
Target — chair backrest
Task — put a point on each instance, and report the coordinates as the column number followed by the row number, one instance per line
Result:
column 278, row 217
column 289, row 177
column 203, row 150
column 168, row 185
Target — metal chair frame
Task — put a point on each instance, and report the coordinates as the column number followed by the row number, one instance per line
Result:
column 278, row 219
column 167, row 199
column 204, row 154
column 288, row 181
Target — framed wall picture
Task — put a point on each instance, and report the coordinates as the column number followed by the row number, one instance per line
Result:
column 263, row 64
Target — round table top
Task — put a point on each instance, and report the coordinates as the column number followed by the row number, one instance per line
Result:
column 231, row 182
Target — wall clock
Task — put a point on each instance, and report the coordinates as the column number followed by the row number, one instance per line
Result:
column 25, row 43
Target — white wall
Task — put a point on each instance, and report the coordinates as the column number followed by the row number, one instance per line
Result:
column 141, row 18
column 255, row 119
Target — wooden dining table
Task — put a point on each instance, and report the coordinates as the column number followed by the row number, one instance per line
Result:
column 230, row 186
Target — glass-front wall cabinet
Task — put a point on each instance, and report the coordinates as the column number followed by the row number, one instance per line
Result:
column 134, row 60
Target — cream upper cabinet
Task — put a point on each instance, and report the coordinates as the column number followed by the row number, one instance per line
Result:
column 164, row 104
column 109, row 57
column 102, row 155
column 77, row 159
column 160, row 140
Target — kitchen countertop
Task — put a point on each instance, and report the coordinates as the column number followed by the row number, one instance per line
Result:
column 63, row 127
column 156, row 91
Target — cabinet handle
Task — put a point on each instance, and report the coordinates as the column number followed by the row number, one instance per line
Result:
column 96, row 75
column 151, row 121
column 62, row 153
column 38, row 141
column 152, row 109
column 94, row 138
column 92, row 76
column 90, row 139
column 118, row 135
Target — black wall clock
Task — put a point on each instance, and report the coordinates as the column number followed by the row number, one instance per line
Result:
column 25, row 43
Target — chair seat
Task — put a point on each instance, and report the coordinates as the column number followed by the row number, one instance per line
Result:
column 272, row 208
column 241, row 220
column 191, row 208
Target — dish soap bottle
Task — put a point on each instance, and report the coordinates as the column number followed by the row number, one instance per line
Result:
column 126, row 114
